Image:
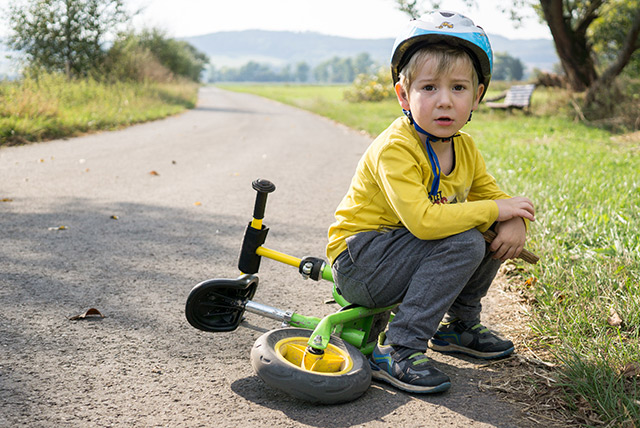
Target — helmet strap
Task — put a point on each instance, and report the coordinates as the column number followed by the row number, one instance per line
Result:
column 431, row 137
column 433, row 158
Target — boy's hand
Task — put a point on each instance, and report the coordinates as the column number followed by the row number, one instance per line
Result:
column 515, row 207
column 510, row 239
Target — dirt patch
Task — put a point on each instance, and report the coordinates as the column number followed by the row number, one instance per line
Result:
column 627, row 142
column 528, row 379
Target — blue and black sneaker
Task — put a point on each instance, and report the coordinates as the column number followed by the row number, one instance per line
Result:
column 413, row 373
column 470, row 338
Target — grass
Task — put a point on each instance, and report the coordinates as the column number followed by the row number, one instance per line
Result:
column 53, row 107
column 585, row 181
column 327, row 101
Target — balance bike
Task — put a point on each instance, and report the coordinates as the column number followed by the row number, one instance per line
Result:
column 320, row 360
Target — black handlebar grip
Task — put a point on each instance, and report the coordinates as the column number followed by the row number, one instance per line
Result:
column 263, row 187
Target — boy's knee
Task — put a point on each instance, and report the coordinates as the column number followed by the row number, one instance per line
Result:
column 471, row 243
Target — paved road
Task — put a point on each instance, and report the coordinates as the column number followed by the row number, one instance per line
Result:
column 148, row 212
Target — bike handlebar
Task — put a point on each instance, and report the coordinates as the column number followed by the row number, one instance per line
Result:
column 263, row 188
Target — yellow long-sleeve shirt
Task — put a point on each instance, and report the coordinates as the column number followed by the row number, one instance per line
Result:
column 390, row 189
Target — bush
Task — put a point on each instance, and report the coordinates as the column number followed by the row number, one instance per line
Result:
column 127, row 61
column 367, row 87
column 616, row 107
column 152, row 56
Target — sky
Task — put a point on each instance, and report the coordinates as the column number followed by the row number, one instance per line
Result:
column 349, row 18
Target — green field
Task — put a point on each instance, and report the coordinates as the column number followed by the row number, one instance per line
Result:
column 585, row 182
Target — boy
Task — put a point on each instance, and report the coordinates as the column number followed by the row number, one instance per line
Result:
column 409, row 229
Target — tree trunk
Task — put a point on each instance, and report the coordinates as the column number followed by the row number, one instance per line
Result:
column 571, row 45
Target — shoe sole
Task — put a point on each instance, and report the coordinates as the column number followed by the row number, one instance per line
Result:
column 450, row 348
column 378, row 374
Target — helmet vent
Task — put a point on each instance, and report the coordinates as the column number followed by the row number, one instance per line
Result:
column 447, row 14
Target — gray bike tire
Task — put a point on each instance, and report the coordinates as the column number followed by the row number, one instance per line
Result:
column 306, row 385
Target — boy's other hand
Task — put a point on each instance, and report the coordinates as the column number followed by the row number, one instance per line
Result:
column 515, row 207
column 510, row 239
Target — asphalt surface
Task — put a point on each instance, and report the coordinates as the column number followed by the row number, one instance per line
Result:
column 127, row 222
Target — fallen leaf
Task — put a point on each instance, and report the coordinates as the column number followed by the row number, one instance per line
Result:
column 153, row 173
column 6, row 200
column 559, row 296
column 197, row 204
column 614, row 319
column 90, row 313
column 631, row 370
column 114, row 217
column 58, row 228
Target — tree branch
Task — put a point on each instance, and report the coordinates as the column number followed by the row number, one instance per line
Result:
column 628, row 48
column 590, row 15
column 409, row 7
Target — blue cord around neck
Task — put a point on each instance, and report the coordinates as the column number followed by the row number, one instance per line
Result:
column 433, row 158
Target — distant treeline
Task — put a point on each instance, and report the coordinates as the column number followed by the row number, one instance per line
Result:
column 334, row 70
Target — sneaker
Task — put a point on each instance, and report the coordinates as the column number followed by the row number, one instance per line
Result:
column 469, row 338
column 415, row 373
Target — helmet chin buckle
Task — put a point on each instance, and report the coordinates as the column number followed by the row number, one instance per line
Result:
column 408, row 114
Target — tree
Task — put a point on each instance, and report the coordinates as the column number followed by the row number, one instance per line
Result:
column 64, row 35
column 302, row 72
column 571, row 22
column 342, row 70
column 506, row 67
column 363, row 63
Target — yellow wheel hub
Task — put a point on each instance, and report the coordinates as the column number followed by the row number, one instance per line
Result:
column 334, row 361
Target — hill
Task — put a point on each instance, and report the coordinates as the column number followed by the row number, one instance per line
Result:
column 235, row 48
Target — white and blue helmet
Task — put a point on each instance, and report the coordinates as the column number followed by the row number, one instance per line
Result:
column 444, row 27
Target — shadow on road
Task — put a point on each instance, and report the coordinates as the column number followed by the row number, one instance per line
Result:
column 359, row 412
column 382, row 400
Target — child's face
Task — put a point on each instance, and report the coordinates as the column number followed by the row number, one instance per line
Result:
column 441, row 104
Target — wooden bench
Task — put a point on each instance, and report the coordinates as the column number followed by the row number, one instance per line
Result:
column 518, row 96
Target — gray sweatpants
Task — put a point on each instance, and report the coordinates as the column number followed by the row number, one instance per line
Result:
column 430, row 279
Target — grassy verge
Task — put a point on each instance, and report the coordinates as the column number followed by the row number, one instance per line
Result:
column 585, row 293
column 53, row 107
